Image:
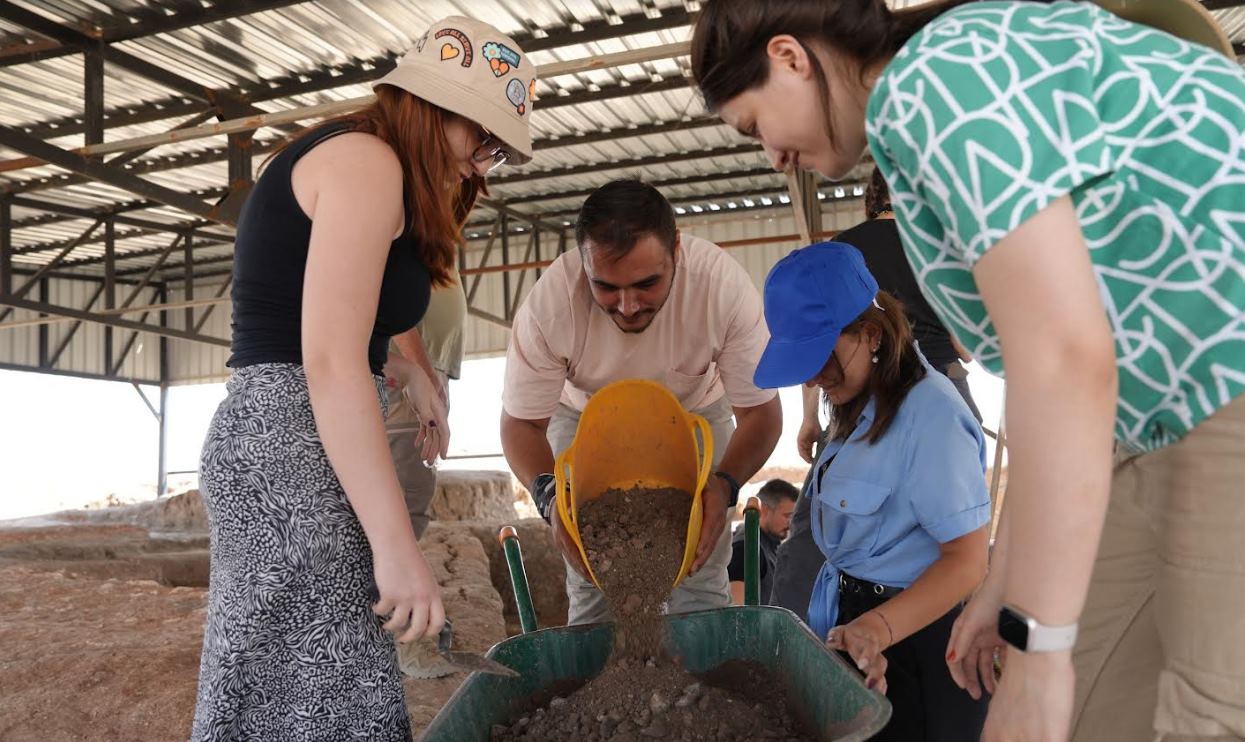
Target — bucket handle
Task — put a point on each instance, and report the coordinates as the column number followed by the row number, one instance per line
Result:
column 568, row 512
column 706, row 450
column 702, row 477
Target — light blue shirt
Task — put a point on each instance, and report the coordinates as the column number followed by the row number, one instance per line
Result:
column 881, row 511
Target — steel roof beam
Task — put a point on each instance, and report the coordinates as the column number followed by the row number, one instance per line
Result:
column 149, row 23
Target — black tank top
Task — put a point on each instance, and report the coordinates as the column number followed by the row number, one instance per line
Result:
column 270, row 259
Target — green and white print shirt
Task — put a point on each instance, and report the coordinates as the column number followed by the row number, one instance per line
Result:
column 997, row 109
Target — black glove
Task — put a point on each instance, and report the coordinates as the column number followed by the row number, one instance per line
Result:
column 544, row 494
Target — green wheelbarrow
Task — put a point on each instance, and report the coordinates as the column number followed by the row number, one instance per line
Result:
column 824, row 692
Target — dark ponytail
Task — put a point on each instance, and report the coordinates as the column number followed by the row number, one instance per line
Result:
column 877, row 195
column 730, row 39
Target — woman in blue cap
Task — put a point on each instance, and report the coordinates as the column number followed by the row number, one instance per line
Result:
column 899, row 501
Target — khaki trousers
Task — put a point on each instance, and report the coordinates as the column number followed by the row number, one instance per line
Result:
column 1161, row 653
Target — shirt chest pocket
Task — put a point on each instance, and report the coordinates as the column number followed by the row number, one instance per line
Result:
column 686, row 385
column 851, row 514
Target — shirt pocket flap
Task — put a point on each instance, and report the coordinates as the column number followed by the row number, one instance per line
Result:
column 853, row 496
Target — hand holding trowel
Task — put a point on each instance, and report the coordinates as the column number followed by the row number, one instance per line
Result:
column 421, row 659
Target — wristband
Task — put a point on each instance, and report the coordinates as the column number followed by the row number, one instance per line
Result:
column 734, row 485
column 544, row 495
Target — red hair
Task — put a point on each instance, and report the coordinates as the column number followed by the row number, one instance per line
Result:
column 415, row 130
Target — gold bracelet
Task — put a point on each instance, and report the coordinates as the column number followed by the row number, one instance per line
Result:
column 889, row 631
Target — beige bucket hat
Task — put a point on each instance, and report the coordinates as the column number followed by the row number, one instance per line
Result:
column 472, row 69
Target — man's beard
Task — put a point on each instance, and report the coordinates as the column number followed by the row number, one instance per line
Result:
column 650, row 313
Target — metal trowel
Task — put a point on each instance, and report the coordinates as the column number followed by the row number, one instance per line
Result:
column 467, row 661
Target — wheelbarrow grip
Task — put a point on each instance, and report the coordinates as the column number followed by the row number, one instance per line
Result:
column 509, row 539
column 752, row 552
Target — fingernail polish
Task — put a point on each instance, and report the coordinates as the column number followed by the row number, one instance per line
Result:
column 951, row 656
column 870, row 683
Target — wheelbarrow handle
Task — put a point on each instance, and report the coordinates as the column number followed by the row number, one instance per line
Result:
column 752, row 552
column 509, row 539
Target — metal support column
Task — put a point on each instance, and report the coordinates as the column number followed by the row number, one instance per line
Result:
column 163, row 471
column 812, row 204
column 93, row 95
column 43, row 329
column 162, row 474
column 536, row 236
column 110, row 283
column 241, row 178
column 505, row 260
column 188, row 274
column 6, row 246
column 805, row 205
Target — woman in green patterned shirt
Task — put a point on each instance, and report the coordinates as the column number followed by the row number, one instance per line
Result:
column 1070, row 189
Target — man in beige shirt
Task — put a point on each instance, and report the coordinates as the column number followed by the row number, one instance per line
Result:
column 640, row 300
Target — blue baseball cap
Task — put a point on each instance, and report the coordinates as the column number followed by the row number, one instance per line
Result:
column 810, row 296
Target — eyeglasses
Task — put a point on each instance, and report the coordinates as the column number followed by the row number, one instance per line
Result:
column 491, row 148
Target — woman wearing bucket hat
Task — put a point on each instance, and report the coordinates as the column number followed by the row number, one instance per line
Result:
column 1070, row 192
column 899, row 502
column 338, row 245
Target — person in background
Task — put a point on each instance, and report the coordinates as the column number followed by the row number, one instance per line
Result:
column 777, row 502
column 436, row 347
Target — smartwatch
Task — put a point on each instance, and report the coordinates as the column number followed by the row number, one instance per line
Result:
column 1023, row 632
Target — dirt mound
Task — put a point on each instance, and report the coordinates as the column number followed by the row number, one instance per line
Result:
column 182, row 513
column 737, row 702
column 118, row 659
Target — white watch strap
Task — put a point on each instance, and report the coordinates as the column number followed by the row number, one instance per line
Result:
column 1051, row 638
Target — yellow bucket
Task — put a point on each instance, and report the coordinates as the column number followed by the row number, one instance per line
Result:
column 634, row 433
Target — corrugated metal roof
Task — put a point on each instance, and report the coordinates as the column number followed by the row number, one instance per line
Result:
column 249, row 53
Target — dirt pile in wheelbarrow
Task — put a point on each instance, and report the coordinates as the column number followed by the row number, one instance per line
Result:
column 635, row 541
column 633, row 701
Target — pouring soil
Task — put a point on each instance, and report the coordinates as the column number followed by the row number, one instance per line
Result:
column 635, row 541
